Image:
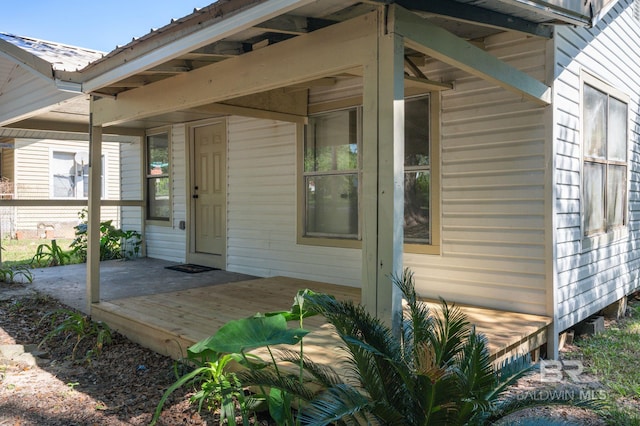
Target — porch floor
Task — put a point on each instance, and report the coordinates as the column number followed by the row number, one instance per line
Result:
column 170, row 322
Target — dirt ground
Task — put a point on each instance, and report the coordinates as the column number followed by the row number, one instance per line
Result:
column 121, row 386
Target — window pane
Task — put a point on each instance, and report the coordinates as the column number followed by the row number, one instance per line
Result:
column 332, row 142
column 593, row 183
column 617, row 137
column 63, row 169
column 616, row 189
column 416, row 132
column 595, row 122
column 416, row 207
column 332, row 205
column 63, row 186
column 158, row 154
column 158, row 207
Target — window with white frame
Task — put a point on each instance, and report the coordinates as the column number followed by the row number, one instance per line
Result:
column 332, row 172
column 157, row 177
column 604, row 172
column 70, row 174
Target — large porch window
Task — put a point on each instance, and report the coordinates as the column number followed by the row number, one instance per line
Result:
column 332, row 174
column 604, row 172
column 157, row 177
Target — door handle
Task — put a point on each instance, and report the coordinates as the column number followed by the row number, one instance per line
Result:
column 195, row 196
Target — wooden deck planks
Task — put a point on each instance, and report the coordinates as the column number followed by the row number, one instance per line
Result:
column 161, row 320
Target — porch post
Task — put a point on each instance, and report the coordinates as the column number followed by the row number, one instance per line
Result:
column 93, row 229
column 383, row 176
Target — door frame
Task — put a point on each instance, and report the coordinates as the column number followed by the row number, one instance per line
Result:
column 191, row 255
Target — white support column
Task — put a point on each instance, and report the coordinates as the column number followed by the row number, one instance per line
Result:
column 383, row 178
column 93, row 229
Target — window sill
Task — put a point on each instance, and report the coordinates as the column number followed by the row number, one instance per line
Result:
column 329, row 242
column 156, row 222
column 422, row 249
column 602, row 240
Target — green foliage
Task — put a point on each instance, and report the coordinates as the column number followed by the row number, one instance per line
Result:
column 114, row 243
column 217, row 385
column 10, row 274
column 50, row 255
column 70, row 323
column 438, row 372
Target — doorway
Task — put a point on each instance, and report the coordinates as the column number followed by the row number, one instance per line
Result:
column 209, row 196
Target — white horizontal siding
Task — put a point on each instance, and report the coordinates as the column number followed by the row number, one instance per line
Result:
column 33, row 181
column 262, row 209
column 131, row 184
column 493, row 168
column 169, row 242
column 589, row 279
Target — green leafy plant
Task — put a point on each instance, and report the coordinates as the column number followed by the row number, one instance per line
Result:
column 10, row 274
column 71, row 323
column 234, row 341
column 50, row 255
column 438, row 372
column 114, row 242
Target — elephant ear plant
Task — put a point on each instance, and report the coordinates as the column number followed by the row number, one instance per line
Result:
column 215, row 357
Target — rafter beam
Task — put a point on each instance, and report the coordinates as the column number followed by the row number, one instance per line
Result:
column 290, row 62
column 442, row 45
column 477, row 15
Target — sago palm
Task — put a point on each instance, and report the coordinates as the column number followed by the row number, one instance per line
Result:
column 438, row 371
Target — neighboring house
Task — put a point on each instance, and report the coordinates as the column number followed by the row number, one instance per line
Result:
column 54, row 170
column 278, row 143
column 40, row 161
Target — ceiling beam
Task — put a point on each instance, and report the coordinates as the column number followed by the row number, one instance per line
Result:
column 477, row 15
column 68, row 127
column 444, row 46
column 290, row 62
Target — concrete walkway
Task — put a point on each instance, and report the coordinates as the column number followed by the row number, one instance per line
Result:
column 122, row 279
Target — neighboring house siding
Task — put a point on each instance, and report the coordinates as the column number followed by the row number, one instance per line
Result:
column 33, row 181
column 588, row 279
column 169, row 242
column 7, row 214
column 262, row 209
column 7, row 166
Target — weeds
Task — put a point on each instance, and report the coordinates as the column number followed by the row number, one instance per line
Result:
column 114, row 243
column 70, row 323
column 50, row 255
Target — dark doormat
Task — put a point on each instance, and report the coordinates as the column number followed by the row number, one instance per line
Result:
column 190, row 268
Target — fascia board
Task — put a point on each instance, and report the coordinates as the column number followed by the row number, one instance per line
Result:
column 236, row 23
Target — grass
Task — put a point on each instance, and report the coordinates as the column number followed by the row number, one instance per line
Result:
column 19, row 252
column 613, row 358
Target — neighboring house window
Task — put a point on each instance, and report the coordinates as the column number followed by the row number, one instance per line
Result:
column 332, row 172
column 157, row 176
column 70, row 174
column 605, row 128
column 331, row 175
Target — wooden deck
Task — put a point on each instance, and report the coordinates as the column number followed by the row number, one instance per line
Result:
column 170, row 322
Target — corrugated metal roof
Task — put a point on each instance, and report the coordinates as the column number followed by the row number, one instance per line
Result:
column 62, row 57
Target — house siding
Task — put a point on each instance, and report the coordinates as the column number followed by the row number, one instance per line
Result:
column 131, row 187
column 169, row 242
column 261, row 217
column 493, row 169
column 588, row 279
column 493, row 172
column 33, row 181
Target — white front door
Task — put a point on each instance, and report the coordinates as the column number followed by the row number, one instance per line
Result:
column 209, row 196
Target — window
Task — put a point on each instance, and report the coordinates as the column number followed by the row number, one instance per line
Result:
column 332, row 172
column 70, row 174
column 604, row 180
column 157, row 176
column 331, row 175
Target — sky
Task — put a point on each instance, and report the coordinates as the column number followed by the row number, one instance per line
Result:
column 94, row 24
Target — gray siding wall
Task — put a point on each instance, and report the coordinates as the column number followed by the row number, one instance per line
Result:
column 588, row 279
